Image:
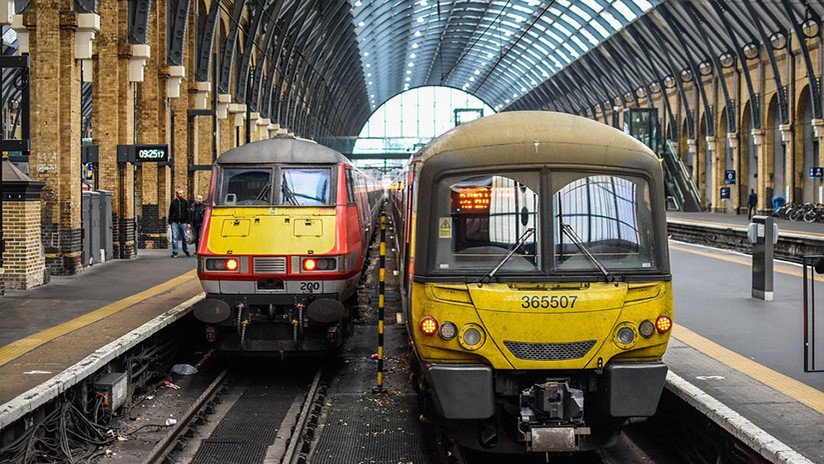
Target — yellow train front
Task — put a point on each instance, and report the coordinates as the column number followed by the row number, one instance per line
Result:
column 538, row 293
column 283, row 245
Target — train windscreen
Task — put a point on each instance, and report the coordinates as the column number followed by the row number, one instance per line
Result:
column 610, row 215
column 305, row 187
column 482, row 219
column 245, row 187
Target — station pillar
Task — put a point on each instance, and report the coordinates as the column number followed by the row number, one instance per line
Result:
column 735, row 190
column 789, row 152
column 712, row 173
column 760, row 154
column 51, row 28
column 818, row 133
column 118, row 69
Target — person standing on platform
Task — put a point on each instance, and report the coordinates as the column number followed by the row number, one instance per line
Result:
column 752, row 202
column 179, row 221
column 198, row 211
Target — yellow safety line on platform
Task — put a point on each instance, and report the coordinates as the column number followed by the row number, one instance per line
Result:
column 778, row 267
column 20, row 347
column 724, row 224
column 796, row 390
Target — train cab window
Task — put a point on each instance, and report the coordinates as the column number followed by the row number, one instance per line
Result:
column 350, row 188
column 482, row 219
column 305, row 186
column 246, row 187
column 610, row 216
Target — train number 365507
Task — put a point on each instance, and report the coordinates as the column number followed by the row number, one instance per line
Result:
column 546, row 301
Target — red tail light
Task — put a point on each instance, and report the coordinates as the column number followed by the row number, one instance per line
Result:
column 429, row 325
column 663, row 323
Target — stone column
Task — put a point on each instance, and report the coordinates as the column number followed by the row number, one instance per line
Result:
column 789, row 154
column 692, row 153
column 263, row 128
column 818, row 133
column 51, row 27
column 152, row 110
column 118, row 67
column 237, row 113
column 758, row 145
column 735, row 190
column 712, row 174
column 254, row 134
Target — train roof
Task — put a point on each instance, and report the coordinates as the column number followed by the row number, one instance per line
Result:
column 538, row 136
column 286, row 150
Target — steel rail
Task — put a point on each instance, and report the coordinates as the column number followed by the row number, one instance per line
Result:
column 292, row 455
column 161, row 451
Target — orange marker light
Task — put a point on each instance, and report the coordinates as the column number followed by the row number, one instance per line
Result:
column 231, row 264
column 309, row 264
column 663, row 323
column 429, row 325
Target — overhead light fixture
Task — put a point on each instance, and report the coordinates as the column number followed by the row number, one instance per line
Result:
column 420, row 19
column 361, row 24
column 408, row 71
column 358, row 3
column 415, row 46
column 472, row 79
column 476, row 72
column 368, row 65
column 416, row 34
column 412, row 55
column 408, row 79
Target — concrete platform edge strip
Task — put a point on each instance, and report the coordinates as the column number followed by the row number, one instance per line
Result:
column 726, row 227
column 753, row 436
column 48, row 390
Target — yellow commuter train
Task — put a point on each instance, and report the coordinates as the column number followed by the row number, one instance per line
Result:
column 537, row 287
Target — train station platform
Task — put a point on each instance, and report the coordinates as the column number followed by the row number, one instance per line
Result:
column 745, row 354
column 785, row 226
column 49, row 333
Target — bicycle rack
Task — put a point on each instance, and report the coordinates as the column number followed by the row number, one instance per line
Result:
column 808, row 317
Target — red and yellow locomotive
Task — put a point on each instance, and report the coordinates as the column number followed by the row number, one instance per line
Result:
column 284, row 240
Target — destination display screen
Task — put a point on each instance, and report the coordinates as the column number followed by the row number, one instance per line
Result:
column 152, row 153
column 471, row 199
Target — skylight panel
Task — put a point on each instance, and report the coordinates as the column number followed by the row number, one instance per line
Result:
column 616, row 25
column 624, row 10
column 600, row 29
column 579, row 42
column 594, row 5
column 592, row 40
column 578, row 11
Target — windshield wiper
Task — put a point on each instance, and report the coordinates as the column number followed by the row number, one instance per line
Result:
column 489, row 275
column 288, row 194
column 570, row 232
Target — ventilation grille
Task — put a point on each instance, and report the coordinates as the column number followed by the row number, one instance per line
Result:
column 549, row 351
column 275, row 265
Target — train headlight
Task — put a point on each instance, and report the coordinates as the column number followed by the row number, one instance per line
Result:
column 472, row 337
column 222, row 264
column 625, row 335
column 448, row 331
column 429, row 325
column 646, row 328
column 663, row 323
column 319, row 264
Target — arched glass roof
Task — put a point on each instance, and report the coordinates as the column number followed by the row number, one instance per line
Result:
column 412, row 118
column 495, row 49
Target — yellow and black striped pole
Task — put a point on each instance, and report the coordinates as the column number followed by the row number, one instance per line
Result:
column 381, row 299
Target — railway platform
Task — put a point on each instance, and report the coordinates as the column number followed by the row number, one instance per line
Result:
column 51, row 334
column 740, row 221
column 744, row 353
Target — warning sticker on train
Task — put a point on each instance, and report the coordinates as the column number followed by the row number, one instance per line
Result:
column 445, row 227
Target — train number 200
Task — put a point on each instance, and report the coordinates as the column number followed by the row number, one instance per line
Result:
column 545, row 301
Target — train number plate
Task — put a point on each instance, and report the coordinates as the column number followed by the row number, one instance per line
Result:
column 548, row 301
column 310, row 287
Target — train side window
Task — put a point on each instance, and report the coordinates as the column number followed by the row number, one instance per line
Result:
column 483, row 218
column 350, row 188
column 611, row 215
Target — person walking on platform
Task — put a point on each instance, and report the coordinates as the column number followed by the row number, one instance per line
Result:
column 198, row 211
column 179, row 221
column 752, row 202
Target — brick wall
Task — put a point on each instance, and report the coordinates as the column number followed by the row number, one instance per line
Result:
column 23, row 260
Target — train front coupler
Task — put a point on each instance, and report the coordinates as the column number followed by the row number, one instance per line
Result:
column 552, row 416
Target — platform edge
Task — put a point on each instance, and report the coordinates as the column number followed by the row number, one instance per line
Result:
column 32, row 399
column 737, row 425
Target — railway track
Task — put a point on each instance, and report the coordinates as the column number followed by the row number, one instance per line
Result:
column 260, row 418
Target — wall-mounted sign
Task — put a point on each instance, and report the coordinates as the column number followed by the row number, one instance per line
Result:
column 152, row 153
column 729, row 177
column 725, row 193
column 817, row 172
